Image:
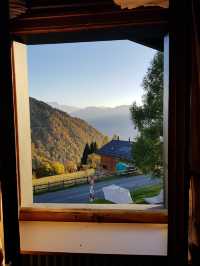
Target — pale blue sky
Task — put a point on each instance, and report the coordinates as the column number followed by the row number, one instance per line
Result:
column 88, row 74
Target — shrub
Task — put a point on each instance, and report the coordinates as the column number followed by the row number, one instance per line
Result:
column 58, row 168
column 44, row 169
column 94, row 160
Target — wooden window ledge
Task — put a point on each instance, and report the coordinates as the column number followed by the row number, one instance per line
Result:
column 105, row 213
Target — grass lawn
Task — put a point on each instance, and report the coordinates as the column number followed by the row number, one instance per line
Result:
column 139, row 194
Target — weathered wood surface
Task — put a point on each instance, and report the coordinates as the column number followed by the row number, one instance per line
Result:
column 106, row 215
column 47, row 22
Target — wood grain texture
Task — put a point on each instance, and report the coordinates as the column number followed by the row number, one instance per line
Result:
column 22, row 122
column 89, row 20
column 17, row 8
column 64, row 20
column 8, row 160
column 107, row 215
column 179, row 101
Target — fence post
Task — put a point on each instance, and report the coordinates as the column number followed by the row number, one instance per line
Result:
column 48, row 187
column 63, row 183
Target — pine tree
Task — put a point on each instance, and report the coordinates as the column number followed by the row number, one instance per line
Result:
column 95, row 147
column 85, row 154
column 91, row 147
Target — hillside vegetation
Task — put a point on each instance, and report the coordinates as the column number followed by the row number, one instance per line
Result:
column 57, row 138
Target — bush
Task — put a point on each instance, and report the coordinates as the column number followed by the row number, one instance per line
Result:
column 44, row 169
column 58, row 168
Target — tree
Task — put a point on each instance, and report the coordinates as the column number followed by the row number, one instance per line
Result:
column 93, row 147
column 115, row 137
column 44, row 169
column 58, row 168
column 105, row 140
column 94, row 160
column 148, row 118
column 85, row 154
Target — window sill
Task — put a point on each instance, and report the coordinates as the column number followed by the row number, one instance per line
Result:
column 104, row 213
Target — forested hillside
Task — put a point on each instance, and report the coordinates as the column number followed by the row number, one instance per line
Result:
column 58, row 137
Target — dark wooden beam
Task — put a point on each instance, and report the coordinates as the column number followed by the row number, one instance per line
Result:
column 8, row 168
column 89, row 20
column 73, row 259
column 179, row 100
column 17, row 8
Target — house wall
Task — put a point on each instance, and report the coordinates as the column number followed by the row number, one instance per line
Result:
column 108, row 162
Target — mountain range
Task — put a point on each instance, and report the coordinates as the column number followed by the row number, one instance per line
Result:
column 57, row 136
column 65, row 108
column 108, row 120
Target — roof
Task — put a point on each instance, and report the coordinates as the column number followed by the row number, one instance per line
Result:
column 117, row 148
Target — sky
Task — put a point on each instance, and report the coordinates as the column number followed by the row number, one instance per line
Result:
column 88, row 74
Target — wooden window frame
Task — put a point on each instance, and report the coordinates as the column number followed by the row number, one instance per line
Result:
column 46, row 29
column 116, row 24
column 29, row 211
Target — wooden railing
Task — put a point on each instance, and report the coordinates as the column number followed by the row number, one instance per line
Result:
column 51, row 186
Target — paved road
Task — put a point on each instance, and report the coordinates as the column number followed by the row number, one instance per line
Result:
column 80, row 194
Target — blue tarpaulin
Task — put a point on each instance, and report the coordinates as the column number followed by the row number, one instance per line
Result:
column 120, row 166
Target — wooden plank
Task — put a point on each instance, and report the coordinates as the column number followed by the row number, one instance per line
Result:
column 166, row 117
column 106, row 215
column 178, row 181
column 8, row 167
column 22, row 124
column 17, row 8
column 62, row 20
column 87, row 21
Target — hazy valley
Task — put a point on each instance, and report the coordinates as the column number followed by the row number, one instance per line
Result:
column 107, row 120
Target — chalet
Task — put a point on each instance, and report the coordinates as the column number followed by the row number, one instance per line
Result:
column 113, row 152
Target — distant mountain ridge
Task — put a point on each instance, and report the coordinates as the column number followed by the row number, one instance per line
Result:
column 108, row 120
column 56, row 136
column 65, row 108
